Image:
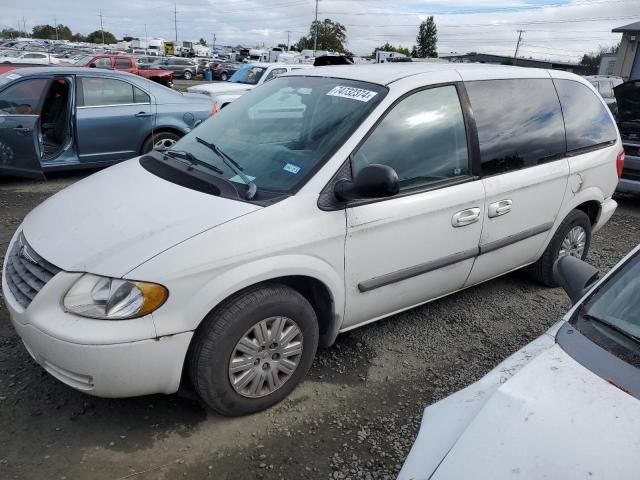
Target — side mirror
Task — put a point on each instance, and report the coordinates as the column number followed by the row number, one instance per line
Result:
column 574, row 276
column 92, row 65
column 373, row 181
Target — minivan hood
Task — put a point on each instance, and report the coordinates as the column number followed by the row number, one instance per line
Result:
column 628, row 100
column 553, row 419
column 117, row 219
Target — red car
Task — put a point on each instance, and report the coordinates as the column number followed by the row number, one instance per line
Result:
column 126, row 63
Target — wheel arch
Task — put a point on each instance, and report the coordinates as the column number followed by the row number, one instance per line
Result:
column 161, row 129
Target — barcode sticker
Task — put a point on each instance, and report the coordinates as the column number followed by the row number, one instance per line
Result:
column 359, row 94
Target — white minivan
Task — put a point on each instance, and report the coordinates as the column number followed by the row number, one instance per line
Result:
column 322, row 201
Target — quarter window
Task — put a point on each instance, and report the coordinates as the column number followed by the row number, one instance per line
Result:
column 423, row 139
column 519, row 123
column 103, row 63
column 108, row 91
column 22, row 98
column 276, row 72
column 586, row 118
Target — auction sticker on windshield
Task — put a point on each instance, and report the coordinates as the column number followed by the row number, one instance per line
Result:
column 353, row 93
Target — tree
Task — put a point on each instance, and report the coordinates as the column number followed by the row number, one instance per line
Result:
column 128, row 38
column 12, row 33
column 427, row 39
column 96, row 37
column 282, row 46
column 331, row 36
column 592, row 60
column 387, row 47
column 202, row 42
column 78, row 37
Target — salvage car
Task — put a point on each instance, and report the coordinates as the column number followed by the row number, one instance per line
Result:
column 129, row 64
column 324, row 200
column 628, row 118
column 565, row 406
column 59, row 118
column 245, row 79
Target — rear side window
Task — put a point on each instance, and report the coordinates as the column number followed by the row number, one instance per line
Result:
column 519, row 123
column 423, row 139
column 586, row 118
column 108, row 91
column 123, row 63
column 22, row 98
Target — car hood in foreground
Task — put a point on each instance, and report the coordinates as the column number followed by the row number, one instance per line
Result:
column 554, row 419
column 220, row 87
column 117, row 219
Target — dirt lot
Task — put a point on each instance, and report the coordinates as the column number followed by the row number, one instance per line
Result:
column 354, row 417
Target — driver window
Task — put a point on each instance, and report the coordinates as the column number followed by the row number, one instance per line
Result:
column 276, row 72
column 423, row 139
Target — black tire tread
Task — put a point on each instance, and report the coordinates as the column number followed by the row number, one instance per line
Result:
column 214, row 327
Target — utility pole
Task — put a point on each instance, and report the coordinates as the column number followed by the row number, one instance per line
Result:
column 55, row 24
column 315, row 31
column 288, row 34
column 24, row 26
column 175, row 21
column 213, row 45
column 515, row 55
column 101, row 29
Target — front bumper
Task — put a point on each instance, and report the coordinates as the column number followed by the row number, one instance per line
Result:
column 103, row 358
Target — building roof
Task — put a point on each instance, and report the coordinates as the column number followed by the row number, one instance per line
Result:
column 632, row 27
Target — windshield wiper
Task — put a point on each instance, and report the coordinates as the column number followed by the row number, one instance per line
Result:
column 233, row 165
column 192, row 159
column 613, row 327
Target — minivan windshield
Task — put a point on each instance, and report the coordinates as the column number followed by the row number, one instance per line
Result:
column 249, row 74
column 278, row 135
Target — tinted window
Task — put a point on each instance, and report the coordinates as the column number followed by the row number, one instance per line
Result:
column 519, row 123
column 586, row 118
column 106, row 91
column 423, row 139
column 123, row 63
column 22, row 98
column 139, row 96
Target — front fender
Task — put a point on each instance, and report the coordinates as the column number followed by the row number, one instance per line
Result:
column 190, row 308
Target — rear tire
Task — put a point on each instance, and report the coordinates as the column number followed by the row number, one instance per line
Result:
column 187, row 75
column 237, row 367
column 166, row 139
column 577, row 222
column 224, row 77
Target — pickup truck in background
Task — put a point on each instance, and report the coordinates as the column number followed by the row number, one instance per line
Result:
column 128, row 63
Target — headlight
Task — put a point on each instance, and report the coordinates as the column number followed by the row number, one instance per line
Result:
column 113, row 299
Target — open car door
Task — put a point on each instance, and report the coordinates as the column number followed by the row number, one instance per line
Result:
column 20, row 146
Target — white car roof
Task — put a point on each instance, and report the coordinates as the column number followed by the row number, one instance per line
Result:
column 386, row 73
column 290, row 65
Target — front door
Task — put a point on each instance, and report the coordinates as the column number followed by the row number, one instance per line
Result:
column 20, row 105
column 420, row 244
column 522, row 146
column 113, row 118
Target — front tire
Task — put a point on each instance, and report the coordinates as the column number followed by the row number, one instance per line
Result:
column 573, row 238
column 187, row 75
column 253, row 350
column 224, row 77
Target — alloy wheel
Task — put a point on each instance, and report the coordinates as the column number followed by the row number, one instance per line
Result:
column 574, row 243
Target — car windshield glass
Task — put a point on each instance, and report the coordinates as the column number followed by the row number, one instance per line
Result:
column 8, row 77
column 279, row 134
column 617, row 302
column 83, row 60
column 249, row 74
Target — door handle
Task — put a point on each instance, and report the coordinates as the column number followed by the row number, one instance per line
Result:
column 500, row 208
column 21, row 129
column 466, row 217
column 143, row 114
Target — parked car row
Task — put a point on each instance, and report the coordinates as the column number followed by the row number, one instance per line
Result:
column 54, row 118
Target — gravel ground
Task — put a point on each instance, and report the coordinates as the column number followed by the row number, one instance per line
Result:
column 354, row 417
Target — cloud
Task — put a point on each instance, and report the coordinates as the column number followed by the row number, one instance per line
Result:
column 556, row 29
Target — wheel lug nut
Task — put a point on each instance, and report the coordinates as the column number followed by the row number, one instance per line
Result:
column 275, row 356
column 273, row 345
column 265, row 366
column 256, row 361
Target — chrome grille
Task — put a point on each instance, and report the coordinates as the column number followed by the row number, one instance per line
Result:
column 27, row 272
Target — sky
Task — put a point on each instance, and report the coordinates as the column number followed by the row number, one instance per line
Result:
column 560, row 30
